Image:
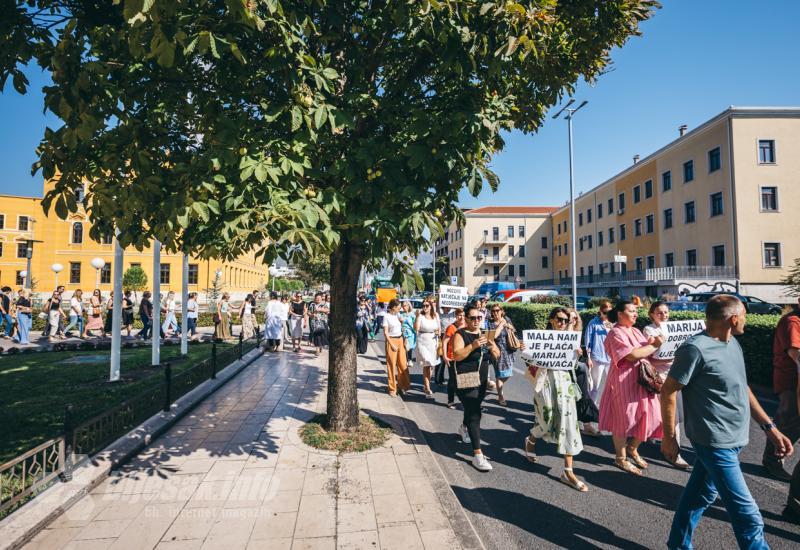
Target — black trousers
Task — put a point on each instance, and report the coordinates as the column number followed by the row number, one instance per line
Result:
column 451, row 383
column 472, row 399
column 438, row 375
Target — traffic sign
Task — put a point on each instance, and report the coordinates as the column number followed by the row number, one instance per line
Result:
column 453, row 280
column 620, row 259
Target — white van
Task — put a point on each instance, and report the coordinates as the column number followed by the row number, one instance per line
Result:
column 527, row 295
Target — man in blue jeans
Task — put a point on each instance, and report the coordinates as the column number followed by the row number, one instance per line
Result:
column 717, row 402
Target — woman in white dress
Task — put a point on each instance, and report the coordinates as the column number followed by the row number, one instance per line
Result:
column 428, row 331
column 247, row 313
column 274, row 322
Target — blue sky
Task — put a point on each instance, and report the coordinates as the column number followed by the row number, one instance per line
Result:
column 695, row 59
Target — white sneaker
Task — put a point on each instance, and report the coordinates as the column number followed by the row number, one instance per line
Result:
column 462, row 431
column 480, row 463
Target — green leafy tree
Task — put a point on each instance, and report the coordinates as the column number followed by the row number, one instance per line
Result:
column 135, row 280
column 347, row 127
column 314, row 270
column 441, row 274
column 215, row 290
column 792, row 279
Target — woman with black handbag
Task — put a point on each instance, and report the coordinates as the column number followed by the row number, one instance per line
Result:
column 503, row 333
column 471, row 351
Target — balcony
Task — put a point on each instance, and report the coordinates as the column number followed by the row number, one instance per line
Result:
column 493, row 260
column 664, row 275
column 491, row 240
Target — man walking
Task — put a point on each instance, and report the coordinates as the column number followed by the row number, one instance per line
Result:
column 6, row 322
column 709, row 370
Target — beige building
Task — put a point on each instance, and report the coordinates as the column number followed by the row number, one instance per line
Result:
column 714, row 209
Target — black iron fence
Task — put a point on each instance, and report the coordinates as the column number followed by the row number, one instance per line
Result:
column 33, row 471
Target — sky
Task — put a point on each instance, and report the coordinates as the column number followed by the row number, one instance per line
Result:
column 695, row 58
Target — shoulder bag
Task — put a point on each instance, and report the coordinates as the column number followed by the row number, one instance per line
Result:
column 647, row 376
column 471, row 379
column 511, row 339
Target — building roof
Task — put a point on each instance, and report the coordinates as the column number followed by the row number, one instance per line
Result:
column 514, row 210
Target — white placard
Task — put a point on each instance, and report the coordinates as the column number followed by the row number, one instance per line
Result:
column 452, row 296
column 552, row 349
column 675, row 334
column 620, row 259
column 453, row 280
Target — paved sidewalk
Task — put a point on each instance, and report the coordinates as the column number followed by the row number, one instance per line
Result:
column 234, row 475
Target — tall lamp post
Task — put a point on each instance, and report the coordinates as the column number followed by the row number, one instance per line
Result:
column 24, row 275
column 98, row 264
column 570, row 114
column 57, row 268
column 273, row 272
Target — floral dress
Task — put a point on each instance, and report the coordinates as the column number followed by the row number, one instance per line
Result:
column 504, row 366
column 555, row 416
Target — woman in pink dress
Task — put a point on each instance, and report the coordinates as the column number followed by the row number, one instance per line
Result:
column 627, row 409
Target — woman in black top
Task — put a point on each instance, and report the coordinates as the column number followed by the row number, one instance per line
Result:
column 146, row 315
column 297, row 316
column 471, row 350
column 127, row 311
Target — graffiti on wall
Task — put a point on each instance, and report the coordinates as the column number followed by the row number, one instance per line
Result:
column 717, row 286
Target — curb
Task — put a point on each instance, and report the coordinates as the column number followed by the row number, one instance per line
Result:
column 18, row 529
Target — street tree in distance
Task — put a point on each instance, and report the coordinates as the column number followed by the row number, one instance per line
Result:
column 135, row 280
column 314, row 270
column 348, row 127
column 792, row 279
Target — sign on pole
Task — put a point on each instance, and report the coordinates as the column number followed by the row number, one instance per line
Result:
column 453, row 280
column 452, row 296
column 385, row 295
column 552, row 349
column 620, row 259
column 675, row 334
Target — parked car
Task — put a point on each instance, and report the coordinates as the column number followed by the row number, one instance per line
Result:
column 495, row 286
column 751, row 303
column 527, row 295
column 504, row 295
column 582, row 302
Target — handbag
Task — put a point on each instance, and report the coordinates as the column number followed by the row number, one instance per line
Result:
column 42, row 315
column 512, row 342
column 647, row 376
column 469, row 380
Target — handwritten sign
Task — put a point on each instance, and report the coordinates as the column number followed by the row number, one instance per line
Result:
column 675, row 334
column 452, row 296
column 551, row 349
column 384, row 295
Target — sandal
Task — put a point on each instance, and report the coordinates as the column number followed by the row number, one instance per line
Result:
column 502, row 402
column 578, row 485
column 530, row 455
column 636, row 459
column 626, row 466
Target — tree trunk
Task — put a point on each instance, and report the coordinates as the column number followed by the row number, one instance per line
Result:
column 342, row 360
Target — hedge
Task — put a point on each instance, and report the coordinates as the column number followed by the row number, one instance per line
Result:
column 756, row 341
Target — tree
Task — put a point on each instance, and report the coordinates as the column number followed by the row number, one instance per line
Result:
column 314, row 270
column 134, row 279
column 347, row 127
column 441, row 274
column 792, row 279
column 215, row 290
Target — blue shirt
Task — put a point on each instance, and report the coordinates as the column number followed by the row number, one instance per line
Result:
column 595, row 338
column 716, row 402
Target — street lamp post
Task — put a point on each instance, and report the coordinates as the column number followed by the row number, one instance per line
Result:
column 273, row 272
column 155, row 355
column 24, row 275
column 570, row 114
column 98, row 264
column 57, row 268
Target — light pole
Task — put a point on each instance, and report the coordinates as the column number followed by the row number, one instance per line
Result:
column 116, row 315
column 571, row 113
column 155, row 351
column 98, row 264
column 273, row 272
column 57, row 268
column 24, row 275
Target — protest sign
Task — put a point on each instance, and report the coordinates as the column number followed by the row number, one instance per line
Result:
column 384, row 295
column 452, row 296
column 675, row 334
column 551, row 349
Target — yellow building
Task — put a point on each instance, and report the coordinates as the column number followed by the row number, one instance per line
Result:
column 67, row 243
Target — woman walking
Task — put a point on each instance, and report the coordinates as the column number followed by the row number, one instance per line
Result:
column 597, row 359
column 398, row 380
column 555, row 414
column 500, row 331
column 23, row 308
column 362, row 325
column 659, row 313
column 54, row 315
column 471, row 351
column 127, row 311
column 273, row 325
column 447, row 345
column 75, row 314
column 146, row 315
column 95, row 315
column 409, row 332
column 318, row 323
column 109, row 319
column 223, row 328
column 627, row 409
column 297, row 318
column 428, row 331
column 192, row 312
column 170, row 325
column 247, row 313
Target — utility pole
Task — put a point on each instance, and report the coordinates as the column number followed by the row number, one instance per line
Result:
column 156, row 320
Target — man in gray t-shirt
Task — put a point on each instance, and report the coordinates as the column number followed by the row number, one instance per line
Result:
column 709, row 369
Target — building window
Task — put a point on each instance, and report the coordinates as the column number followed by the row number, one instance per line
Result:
column 666, row 181
column 580, row 218
column 621, row 201
column 714, row 160
column 637, row 227
column 589, row 216
column 105, row 274
column 599, row 238
column 649, row 223
column 688, row 171
column 20, row 280
column 637, row 194
column 136, row 264
column 511, row 251
column 22, row 250
column 559, row 229
column 669, row 259
column 511, row 270
column 496, row 271
column 74, row 273
column 590, row 240
column 766, row 151
column 77, row 233
column 622, row 233
column 23, row 223
column 769, row 199
column 691, row 257
column 559, row 250
column 2, row 221
column 582, row 271
column 566, row 249
column 772, row 254
column 164, row 274
column 718, row 255
column 522, row 251
column 107, row 239
column 648, row 189
column 651, row 262
column 1, row 248
column 667, row 218
column 521, row 231
column 485, row 270
column 486, row 252
column 565, row 226
column 544, row 262
column 688, row 210
column 639, row 264
column 611, row 206
column 716, row 204
column 510, row 230
column 600, row 211
column 610, row 235
column 544, row 242
column 522, row 270
column 580, row 244
column 495, row 233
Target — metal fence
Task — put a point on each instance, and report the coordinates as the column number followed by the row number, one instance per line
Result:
column 35, row 470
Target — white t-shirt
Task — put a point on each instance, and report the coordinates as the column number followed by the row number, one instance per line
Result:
column 170, row 306
column 75, row 306
column 191, row 309
column 248, row 308
column 394, row 325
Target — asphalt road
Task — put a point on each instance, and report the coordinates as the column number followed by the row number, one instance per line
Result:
column 523, row 505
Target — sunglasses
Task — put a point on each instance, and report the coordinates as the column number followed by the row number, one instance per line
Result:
column 562, row 320
column 426, row 305
column 474, row 317
column 495, row 311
